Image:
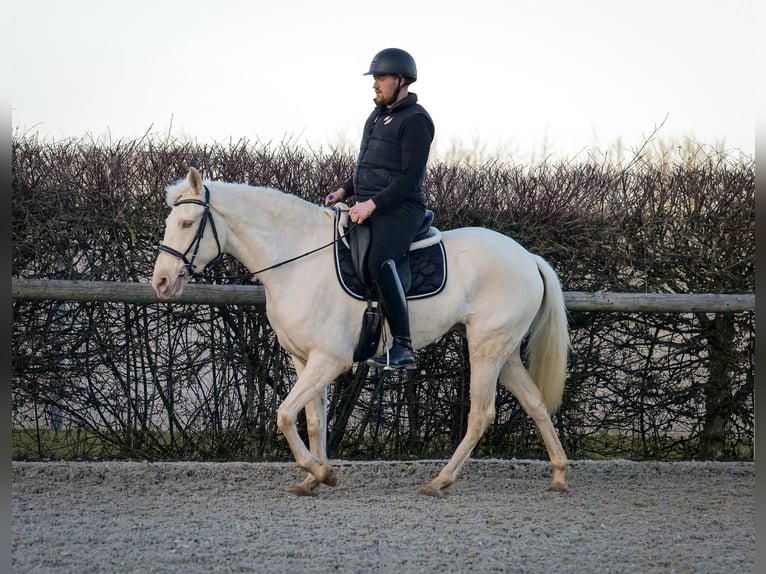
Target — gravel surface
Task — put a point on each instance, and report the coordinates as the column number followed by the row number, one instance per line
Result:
column 619, row 516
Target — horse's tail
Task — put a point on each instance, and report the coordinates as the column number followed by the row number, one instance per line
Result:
column 548, row 343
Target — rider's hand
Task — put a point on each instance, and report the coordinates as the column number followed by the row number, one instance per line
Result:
column 361, row 211
column 334, row 197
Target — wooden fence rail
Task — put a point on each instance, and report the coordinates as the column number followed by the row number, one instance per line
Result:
column 124, row 292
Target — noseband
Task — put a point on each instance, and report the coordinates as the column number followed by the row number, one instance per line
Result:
column 188, row 268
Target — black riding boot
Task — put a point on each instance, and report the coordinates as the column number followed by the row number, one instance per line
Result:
column 394, row 302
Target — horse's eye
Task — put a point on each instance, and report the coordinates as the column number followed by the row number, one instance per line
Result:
column 186, row 224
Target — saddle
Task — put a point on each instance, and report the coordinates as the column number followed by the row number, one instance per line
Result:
column 423, row 271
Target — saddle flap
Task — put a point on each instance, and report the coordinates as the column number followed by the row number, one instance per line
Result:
column 423, row 271
column 342, row 222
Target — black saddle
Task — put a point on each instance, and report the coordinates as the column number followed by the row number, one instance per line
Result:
column 423, row 271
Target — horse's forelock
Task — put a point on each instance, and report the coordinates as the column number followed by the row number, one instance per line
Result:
column 173, row 192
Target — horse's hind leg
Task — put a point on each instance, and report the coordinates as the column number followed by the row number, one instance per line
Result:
column 516, row 379
column 480, row 416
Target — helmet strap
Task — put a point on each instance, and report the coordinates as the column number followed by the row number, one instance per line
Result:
column 398, row 89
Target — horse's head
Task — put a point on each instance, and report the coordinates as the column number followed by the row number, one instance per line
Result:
column 191, row 239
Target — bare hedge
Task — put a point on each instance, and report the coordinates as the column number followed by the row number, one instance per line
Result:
column 194, row 381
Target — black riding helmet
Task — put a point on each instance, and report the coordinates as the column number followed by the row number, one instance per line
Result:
column 394, row 61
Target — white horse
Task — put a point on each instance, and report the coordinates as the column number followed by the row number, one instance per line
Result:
column 497, row 291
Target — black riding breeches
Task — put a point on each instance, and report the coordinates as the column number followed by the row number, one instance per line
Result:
column 391, row 233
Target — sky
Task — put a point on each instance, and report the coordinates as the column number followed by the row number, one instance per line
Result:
column 522, row 78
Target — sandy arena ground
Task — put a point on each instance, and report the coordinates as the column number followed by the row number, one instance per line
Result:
column 187, row 517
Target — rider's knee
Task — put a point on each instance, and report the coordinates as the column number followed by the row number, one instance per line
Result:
column 377, row 267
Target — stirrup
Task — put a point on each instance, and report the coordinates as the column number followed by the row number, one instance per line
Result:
column 378, row 362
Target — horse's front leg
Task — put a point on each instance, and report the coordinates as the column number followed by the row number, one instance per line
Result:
column 308, row 393
column 316, row 423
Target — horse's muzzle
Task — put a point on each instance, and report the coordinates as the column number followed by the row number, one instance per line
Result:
column 167, row 290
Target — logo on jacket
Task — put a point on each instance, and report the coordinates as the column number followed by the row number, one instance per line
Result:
column 387, row 120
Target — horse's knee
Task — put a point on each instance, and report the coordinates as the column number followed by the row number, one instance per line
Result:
column 284, row 420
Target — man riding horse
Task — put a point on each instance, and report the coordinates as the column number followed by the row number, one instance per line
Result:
column 388, row 184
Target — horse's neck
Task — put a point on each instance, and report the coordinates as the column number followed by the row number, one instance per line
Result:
column 266, row 227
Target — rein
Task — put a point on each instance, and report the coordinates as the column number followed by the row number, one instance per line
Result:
column 189, row 267
column 286, row 261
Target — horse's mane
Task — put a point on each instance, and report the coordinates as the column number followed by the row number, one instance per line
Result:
column 175, row 191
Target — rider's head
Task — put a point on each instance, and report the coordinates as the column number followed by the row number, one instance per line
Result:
column 393, row 70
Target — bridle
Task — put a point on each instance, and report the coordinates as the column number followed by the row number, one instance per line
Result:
column 189, row 268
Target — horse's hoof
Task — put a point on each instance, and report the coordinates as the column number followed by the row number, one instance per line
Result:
column 302, row 489
column 330, row 478
column 558, row 486
column 430, row 490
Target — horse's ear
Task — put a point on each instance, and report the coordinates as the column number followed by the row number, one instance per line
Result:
column 195, row 181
